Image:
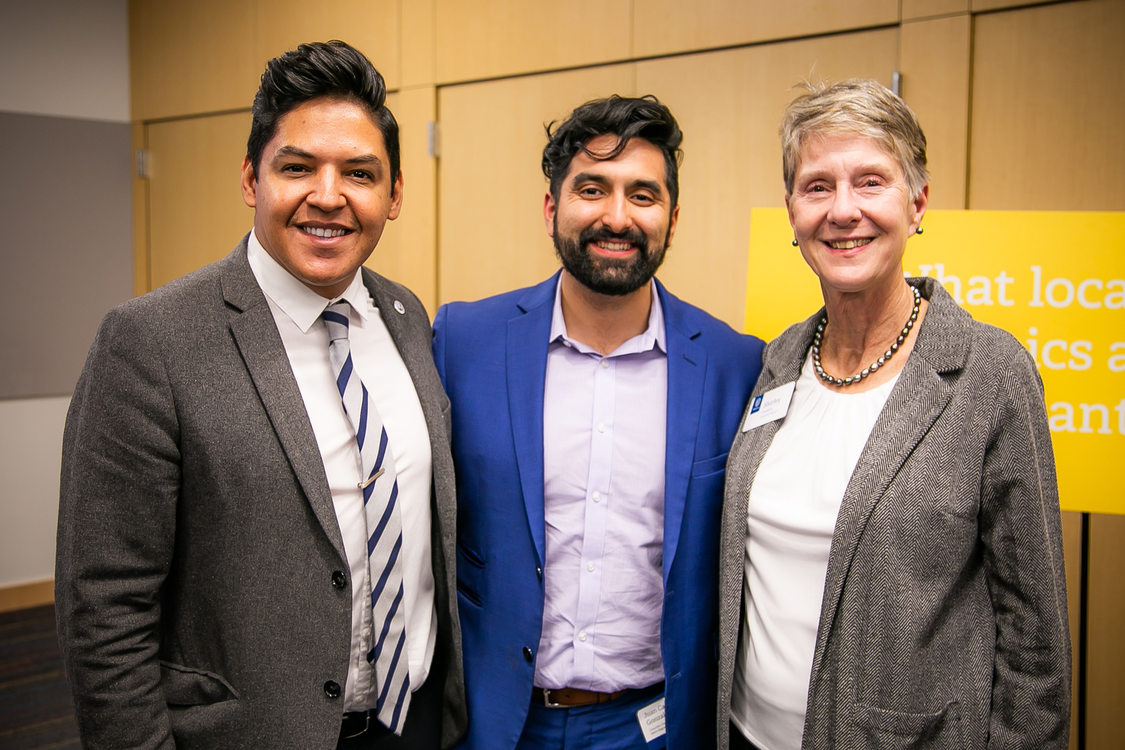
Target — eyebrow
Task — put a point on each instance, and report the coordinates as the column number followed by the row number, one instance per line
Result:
column 302, row 154
column 652, row 185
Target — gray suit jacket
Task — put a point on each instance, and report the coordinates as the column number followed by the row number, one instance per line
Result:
column 944, row 621
column 201, row 582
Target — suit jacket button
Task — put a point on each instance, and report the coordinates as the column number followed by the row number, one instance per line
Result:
column 332, row 689
column 527, row 654
column 339, row 580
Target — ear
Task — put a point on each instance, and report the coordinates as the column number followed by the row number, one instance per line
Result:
column 249, row 183
column 396, row 197
column 549, row 213
column 918, row 207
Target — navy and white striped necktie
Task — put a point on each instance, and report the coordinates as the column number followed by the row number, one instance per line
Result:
column 384, row 528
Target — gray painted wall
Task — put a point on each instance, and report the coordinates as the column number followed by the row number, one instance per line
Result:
column 66, row 248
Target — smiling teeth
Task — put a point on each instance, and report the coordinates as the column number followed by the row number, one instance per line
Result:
column 847, row 244
column 614, row 246
column 321, row 232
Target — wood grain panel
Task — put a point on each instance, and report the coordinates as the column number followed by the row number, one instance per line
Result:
column 191, row 56
column 934, row 62
column 371, row 26
column 1105, row 689
column 1048, row 103
column 196, row 212
column 979, row 6
column 665, row 26
column 417, row 48
column 490, row 187
column 918, row 9
column 729, row 105
column 407, row 252
column 492, row 38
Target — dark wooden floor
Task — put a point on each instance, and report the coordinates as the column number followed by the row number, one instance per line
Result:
column 36, row 710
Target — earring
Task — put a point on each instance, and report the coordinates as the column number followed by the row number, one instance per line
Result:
column 918, row 230
column 794, row 242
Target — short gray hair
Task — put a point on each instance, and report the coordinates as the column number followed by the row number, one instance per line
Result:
column 861, row 107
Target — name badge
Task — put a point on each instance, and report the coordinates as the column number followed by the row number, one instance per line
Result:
column 651, row 718
column 769, row 406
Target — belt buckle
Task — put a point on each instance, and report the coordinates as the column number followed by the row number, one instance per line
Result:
column 360, row 733
column 547, row 699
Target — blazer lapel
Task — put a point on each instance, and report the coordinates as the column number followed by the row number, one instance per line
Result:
column 687, row 365
column 915, row 403
column 527, row 373
column 255, row 334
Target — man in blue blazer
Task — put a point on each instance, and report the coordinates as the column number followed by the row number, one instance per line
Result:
column 592, row 415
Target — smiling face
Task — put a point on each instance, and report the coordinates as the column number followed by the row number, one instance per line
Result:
column 323, row 192
column 613, row 219
column 852, row 212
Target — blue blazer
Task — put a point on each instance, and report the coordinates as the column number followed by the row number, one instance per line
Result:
column 492, row 357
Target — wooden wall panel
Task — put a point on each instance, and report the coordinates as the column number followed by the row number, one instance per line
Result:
column 196, row 212
column 490, row 188
column 934, row 62
column 729, row 105
column 1048, row 104
column 371, row 26
column 979, row 6
column 417, row 46
column 191, row 57
column 918, row 9
column 1105, row 688
column 493, row 38
column 667, row 26
column 406, row 253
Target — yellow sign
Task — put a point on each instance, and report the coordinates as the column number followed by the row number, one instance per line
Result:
column 1054, row 279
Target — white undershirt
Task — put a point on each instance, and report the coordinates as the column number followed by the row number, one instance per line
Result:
column 794, row 501
column 296, row 310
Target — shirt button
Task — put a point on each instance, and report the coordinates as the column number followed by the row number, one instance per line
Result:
column 605, row 363
column 597, row 497
column 582, row 636
column 332, row 689
column 590, row 567
column 601, row 428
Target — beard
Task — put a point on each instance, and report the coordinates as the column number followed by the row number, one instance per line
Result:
column 613, row 276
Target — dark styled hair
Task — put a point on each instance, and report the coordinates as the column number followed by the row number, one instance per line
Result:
column 625, row 117
column 314, row 70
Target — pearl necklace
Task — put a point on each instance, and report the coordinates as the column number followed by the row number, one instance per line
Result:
column 820, row 326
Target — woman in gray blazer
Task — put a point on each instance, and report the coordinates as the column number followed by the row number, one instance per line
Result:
column 892, row 568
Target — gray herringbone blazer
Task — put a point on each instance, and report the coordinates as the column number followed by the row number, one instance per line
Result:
column 201, row 578
column 944, row 621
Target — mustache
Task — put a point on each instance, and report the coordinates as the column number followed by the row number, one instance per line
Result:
column 633, row 237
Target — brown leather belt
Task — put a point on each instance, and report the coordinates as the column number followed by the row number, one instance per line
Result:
column 574, row 697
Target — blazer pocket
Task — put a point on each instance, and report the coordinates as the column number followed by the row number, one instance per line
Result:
column 709, row 466
column 894, row 730
column 184, row 686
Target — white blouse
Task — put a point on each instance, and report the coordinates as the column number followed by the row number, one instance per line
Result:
column 793, row 504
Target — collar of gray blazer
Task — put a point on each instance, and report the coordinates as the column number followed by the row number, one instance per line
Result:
column 945, row 345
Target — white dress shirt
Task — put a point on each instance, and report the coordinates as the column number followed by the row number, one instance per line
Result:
column 603, row 461
column 794, row 501
column 296, row 310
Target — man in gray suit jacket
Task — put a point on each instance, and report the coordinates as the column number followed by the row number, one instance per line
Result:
column 218, row 582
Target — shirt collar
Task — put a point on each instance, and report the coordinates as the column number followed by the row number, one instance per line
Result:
column 652, row 338
column 301, row 304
